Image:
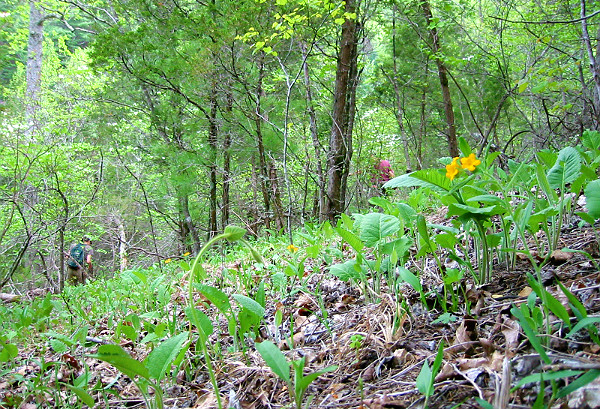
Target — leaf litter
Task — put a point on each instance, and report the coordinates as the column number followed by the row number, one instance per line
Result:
column 486, row 352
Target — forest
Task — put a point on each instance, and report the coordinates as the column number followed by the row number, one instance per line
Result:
column 299, row 204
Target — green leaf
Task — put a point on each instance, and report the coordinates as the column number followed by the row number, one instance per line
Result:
column 401, row 246
column 234, row 233
column 591, row 139
column 117, row 357
column 201, row 321
column 161, row 358
column 8, row 351
column 457, row 209
column 410, row 278
column 531, row 334
column 83, row 396
column 275, row 359
column 546, row 376
column 252, row 306
column 434, row 179
column 217, row 297
column 376, row 226
column 425, row 380
column 351, row 238
column 346, row 271
column 582, row 324
column 583, row 380
column 566, row 168
column 592, row 198
column 464, row 147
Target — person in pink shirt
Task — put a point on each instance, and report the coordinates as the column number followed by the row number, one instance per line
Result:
column 382, row 173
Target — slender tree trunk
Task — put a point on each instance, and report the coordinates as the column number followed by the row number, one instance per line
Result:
column 276, row 198
column 314, row 135
column 212, row 143
column 262, row 160
column 443, row 74
column 186, row 225
column 225, row 207
column 34, row 67
column 340, row 138
column 399, row 111
column 122, row 244
column 594, row 66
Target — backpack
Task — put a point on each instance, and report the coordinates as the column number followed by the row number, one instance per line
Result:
column 77, row 255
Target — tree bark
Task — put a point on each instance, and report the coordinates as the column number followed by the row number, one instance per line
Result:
column 212, row 143
column 34, row 68
column 594, row 66
column 262, row 160
column 340, row 138
column 314, row 135
column 443, row 74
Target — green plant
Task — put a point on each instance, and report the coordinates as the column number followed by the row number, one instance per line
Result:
column 297, row 384
column 426, row 378
column 200, row 320
column 378, row 231
column 467, row 200
column 149, row 373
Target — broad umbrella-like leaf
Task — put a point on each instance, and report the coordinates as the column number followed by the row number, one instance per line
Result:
column 376, row 226
column 566, row 168
column 592, row 198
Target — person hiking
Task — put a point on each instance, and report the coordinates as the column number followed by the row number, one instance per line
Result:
column 382, row 172
column 80, row 258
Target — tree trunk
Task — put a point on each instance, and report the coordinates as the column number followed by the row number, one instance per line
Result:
column 212, row 143
column 443, row 74
column 315, row 137
column 186, row 225
column 122, row 244
column 262, row 160
column 340, row 138
column 276, row 198
column 594, row 66
column 399, row 111
column 34, row 68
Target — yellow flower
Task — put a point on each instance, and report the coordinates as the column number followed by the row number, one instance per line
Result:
column 186, row 254
column 167, row 261
column 470, row 162
column 292, row 248
column 452, row 169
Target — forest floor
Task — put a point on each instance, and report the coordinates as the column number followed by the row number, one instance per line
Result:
column 378, row 346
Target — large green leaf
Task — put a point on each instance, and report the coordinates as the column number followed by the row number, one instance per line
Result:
column 351, row 238
column 432, row 178
column 161, row 358
column 217, row 297
column 201, row 321
column 457, row 209
column 234, row 233
column 252, row 306
column 591, row 139
column 376, row 226
column 566, row 168
column 275, row 359
column 347, row 270
column 117, row 357
column 592, row 198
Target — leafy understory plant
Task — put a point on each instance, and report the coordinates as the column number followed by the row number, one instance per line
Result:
column 297, row 384
column 464, row 197
column 197, row 318
column 426, row 378
column 148, row 374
